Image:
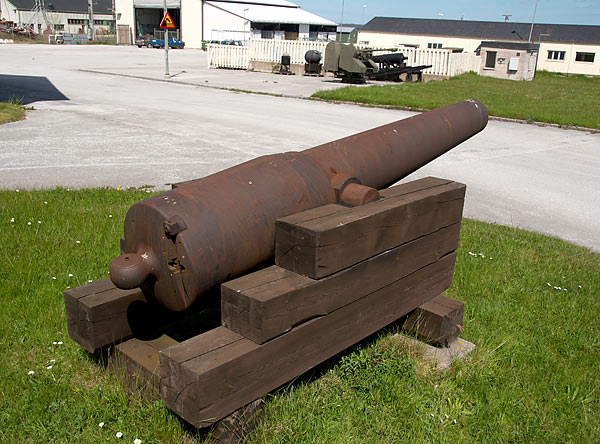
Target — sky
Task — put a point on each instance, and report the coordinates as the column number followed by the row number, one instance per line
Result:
column 580, row 12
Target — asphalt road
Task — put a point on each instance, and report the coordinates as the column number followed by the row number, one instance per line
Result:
column 104, row 117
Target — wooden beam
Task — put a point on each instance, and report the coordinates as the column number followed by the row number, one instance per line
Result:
column 209, row 376
column 266, row 304
column 438, row 321
column 319, row 242
column 97, row 313
column 135, row 363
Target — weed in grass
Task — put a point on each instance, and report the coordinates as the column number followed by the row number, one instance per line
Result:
column 553, row 98
column 533, row 378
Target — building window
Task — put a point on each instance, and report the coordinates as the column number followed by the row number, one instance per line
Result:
column 585, row 57
column 556, row 55
column 490, row 59
column 77, row 21
column 102, row 22
column 434, row 45
column 59, row 27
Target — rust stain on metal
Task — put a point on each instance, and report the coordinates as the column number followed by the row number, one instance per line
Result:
column 183, row 243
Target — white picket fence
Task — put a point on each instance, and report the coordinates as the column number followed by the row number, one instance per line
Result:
column 227, row 56
column 444, row 62
column 438, row 58
column 269, row 50
column 464, row 62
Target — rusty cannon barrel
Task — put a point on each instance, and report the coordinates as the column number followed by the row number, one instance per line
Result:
column 181, row 244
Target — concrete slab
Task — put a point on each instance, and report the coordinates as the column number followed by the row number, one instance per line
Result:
column 440, row 357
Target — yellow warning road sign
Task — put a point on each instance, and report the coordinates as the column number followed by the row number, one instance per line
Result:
column 167, row 22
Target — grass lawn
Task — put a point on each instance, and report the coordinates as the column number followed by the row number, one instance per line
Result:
column 551, row 98
column 533, row 378
column 11, row 112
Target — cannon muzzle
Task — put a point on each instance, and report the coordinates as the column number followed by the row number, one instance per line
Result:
column 185, row 242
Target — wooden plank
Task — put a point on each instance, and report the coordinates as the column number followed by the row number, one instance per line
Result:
column 413, row 186
column 235, row 428
column 95, row 287
column 135, row 363
column 325, row 245
column 438, row 321
column 97, row 313
column 261, row 309
column 208, row 387
column 286, row 240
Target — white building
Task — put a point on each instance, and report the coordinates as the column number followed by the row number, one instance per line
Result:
column 216, row 20
column 573, row 49
column 59, row 15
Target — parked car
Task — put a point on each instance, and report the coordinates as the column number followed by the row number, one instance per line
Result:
column 145, row 40
column 175, row 44
column 232, row 42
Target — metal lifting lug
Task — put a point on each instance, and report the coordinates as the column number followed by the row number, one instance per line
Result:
column 174, row 226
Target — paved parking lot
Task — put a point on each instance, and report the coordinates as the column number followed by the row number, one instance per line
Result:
column 105, row 117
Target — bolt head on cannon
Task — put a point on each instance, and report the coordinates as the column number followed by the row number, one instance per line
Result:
column 180, row 245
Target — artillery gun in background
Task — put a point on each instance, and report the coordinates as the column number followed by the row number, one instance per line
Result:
column 355, row 65
column 349, row 63
column 393, row 65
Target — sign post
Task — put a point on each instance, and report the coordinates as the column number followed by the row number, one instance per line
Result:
column 166, row 24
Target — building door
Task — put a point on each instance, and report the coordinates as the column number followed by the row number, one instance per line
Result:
column 123, row 35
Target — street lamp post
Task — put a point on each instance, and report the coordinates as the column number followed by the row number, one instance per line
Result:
column 533, row 21
column 342, row 21
column 246, row 21
column 364, row 7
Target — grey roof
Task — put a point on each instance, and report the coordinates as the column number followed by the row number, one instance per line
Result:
column 100, row 6
column 485, row 30
column 511, row 45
